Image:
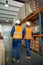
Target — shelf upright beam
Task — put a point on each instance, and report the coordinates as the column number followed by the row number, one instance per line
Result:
column 42, row 26
column 40, row 23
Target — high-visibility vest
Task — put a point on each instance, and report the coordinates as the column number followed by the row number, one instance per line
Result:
column 28, row 34
column 18, row 32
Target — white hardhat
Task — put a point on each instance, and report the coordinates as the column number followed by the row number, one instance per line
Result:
column 28, row 23
column 17, row 21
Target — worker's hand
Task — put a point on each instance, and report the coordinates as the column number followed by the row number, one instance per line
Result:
column 11, row 40
column 22, row 40
column 10, row 37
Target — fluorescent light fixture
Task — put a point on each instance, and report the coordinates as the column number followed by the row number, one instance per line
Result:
column 7, row 21
column 6, row 4
column 30, row 10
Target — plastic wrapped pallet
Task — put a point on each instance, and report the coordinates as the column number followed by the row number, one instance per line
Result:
column 2, row 52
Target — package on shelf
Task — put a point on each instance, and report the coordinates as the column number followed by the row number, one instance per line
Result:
column 33, row 41
column 37, row 48
column 36, row 4
column 33, row 28
column 37, row 42
column 37, row 45
column 37, row 38
column 33, row 45
column 36, row 29
column 33, row 48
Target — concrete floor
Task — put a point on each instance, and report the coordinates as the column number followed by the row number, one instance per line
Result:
column 35, row 59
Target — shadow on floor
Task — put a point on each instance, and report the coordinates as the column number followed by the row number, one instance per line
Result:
column 35, row 59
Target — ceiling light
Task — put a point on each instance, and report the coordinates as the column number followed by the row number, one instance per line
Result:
column 30, row 10
column 6, row 4
column 7, row 21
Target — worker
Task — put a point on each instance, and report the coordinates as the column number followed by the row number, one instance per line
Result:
column 16, row 34
column 27, row 36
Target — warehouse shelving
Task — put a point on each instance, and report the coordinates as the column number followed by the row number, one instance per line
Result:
column 37, row 15
column 38, row 35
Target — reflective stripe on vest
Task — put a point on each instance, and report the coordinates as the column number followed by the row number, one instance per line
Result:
column 18, row 32
column 28, row 34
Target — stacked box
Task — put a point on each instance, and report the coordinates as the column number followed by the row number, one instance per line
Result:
column 32, row 45
column 37, row 4
column 35, row 44
column 37, row 47
column 36, row 29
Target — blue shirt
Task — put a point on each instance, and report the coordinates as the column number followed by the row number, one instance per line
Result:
column 12, row 31
column 23, row 33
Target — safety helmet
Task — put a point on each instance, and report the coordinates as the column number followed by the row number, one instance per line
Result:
column 28, row 23
column 17, row 22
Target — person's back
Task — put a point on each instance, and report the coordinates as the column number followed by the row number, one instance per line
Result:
column 18, row 32
column 27, row 37
column 17, row 36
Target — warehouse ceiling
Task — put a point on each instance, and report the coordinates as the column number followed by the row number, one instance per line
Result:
column 23, row 1
column 11, row 11
column 27, row 1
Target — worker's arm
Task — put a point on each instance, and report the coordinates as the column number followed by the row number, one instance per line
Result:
column 23, row 33
column 32, row 35
column 12, row 31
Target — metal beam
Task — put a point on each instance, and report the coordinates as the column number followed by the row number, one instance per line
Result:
column 5, row 22
column 40, row 23
column 42, row 12
column 8, row 10
column 10, row 5
column 7, row 14
column 19, row 1
column 7, row 17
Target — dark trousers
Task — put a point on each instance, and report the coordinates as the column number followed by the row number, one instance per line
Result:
column 16, row 48
column 27, row 42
